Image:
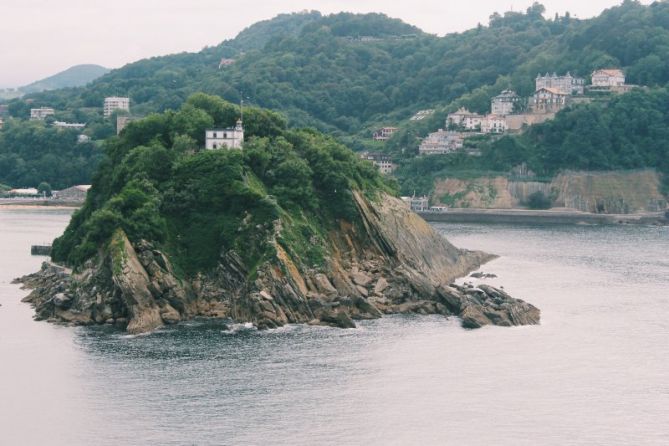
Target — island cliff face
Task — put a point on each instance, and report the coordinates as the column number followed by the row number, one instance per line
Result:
column 394, row 263
column 294, row 228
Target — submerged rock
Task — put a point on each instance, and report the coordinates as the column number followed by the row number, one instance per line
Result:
column 391, row 261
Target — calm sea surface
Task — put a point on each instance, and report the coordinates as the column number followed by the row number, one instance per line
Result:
column 596, row 372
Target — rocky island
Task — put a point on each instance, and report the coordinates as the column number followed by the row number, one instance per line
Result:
column 294, row 228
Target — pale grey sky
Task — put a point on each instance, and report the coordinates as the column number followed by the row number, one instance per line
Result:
column 41, row 37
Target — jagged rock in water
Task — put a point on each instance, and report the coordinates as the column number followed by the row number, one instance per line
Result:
column 391, row 261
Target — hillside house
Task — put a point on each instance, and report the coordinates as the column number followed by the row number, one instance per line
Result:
column 566, row 84
column 546, row 100
column 607, row 78
column 465, row 119
column 504, row 103
column 384, row 134
column 230, row 138
column 381, row 161
column 441, row 142
column 39, row 114
column 2, row 123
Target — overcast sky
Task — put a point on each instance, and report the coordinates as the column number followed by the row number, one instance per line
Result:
column 42, row 37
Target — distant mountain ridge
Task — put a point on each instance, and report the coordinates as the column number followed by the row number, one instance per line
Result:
column 76, row 76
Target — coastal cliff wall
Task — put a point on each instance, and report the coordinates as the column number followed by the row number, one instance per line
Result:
column 391, row 261
column 620, row 192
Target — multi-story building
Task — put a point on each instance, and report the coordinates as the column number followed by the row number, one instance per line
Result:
column 39, row 114
column 504, row 103
column 230, row 138
column 465, row 119
column 548, row 100
column 384, row 134
column 441, row 142
column 381, row 161
column 2, row 123
column 612, row 77
column 566, row 84
column 116, row 103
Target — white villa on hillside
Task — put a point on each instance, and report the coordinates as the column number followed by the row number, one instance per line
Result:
column 466, row 119
column 230, row 138
column 608, row 78
column 504, row 103
column 548, row 100
column 566, row 84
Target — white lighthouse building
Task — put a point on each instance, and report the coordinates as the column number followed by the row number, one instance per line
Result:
column 230, row 138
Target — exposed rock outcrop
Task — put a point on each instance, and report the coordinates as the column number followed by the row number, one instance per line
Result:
column 616, row 192
column 391, row 261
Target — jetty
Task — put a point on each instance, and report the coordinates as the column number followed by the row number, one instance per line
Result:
column 40, row 250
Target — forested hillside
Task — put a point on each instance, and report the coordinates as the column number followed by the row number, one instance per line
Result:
column 629, row 131
column 32, row 152
column 345, row 72
column 158, row 184
column 348, row 74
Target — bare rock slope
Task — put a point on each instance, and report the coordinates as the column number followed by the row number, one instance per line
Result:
column 394, row 262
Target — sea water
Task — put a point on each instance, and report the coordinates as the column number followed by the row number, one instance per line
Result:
column 595, row 372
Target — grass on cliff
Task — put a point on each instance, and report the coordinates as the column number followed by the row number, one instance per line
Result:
column 158, row 184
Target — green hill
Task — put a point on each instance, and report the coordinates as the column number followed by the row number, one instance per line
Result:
column 347, row 74
column 158, row 184
column 76, row 76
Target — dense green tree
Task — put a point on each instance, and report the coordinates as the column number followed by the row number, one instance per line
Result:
column 32, row 152
column 349, row 74
column 44, row 188
column 195, row 203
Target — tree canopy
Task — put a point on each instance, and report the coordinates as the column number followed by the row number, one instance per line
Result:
column 157, row 183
